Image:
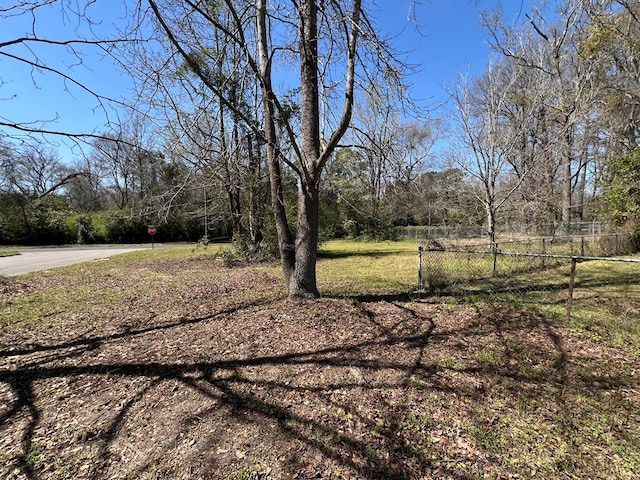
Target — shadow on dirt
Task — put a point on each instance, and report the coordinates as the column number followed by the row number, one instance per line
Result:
column 370, row 396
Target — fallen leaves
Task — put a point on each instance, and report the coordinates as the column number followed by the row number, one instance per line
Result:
column 209, row 372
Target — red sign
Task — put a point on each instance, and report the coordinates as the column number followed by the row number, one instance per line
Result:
column 152, row 230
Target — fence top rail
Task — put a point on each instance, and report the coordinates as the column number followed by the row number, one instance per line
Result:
column 577, row 258
column 553, row 238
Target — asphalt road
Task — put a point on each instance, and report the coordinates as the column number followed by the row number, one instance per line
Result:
column 35, row 259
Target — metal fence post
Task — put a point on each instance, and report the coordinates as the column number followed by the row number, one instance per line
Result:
column 572, row 282
column 494, row 248
column 420, row 282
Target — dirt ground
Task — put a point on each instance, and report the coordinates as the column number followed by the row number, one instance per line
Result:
column 193, row 370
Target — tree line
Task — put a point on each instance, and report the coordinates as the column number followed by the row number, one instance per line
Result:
column 221, row 143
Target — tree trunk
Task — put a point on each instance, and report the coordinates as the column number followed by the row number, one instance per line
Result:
column 235, row 208
column 285, row 240
column 299, row 260
column 256, row 200
column 581, row 188
column 566, row 181
column 491, row 223
column 302, row 283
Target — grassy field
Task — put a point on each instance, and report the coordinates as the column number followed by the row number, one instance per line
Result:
column 174, row 363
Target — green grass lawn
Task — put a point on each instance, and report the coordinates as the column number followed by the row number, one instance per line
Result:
column 348, row 268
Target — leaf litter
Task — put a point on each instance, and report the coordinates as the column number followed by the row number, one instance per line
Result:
column 184, row 369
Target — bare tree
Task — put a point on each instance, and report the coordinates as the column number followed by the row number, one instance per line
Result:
column 326, row 42
column 87, row 193
column 487, row 140
column 129, row 164
column 33, row 170
column 550, row 51
column 376, row 136
column 333, row 45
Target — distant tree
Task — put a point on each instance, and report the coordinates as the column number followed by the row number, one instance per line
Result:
column 444, row 198
column 486, row 140
column 411, row 154
column 610, row 45
column 376, row 135
column 32, row 207
column 33, row 170
column 548, row 50
column 622, row 192
column 348, row 202
column 87, row 193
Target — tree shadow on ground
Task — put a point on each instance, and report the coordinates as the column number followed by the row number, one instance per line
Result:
column 372, row 253
column 361, row 399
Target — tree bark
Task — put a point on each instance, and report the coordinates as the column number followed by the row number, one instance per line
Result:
column 285, row 239
column 303, row 282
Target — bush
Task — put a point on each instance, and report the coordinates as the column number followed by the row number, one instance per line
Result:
column 46, row 222
column 83, row 229
column 122, row 228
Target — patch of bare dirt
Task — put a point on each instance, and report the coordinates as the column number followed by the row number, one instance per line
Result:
column 10, row 287
column 188, row 370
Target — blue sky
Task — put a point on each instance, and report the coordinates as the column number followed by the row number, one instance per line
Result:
column 448, row 40
column 28, row 95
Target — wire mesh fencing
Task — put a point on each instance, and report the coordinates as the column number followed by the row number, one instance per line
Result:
column 516, row 267
column 424, row 233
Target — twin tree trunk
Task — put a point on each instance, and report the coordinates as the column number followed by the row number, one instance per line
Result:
column 302, row 282
column 299, row 258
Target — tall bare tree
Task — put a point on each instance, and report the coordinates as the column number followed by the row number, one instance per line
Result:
column 549, row 49
column 32, row 170
column 331, row 43
column 487, row 140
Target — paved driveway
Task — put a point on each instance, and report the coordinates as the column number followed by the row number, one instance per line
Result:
column 35, row 259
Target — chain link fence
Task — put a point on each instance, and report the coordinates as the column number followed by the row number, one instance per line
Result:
column 424, row 233
column 516, row 266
